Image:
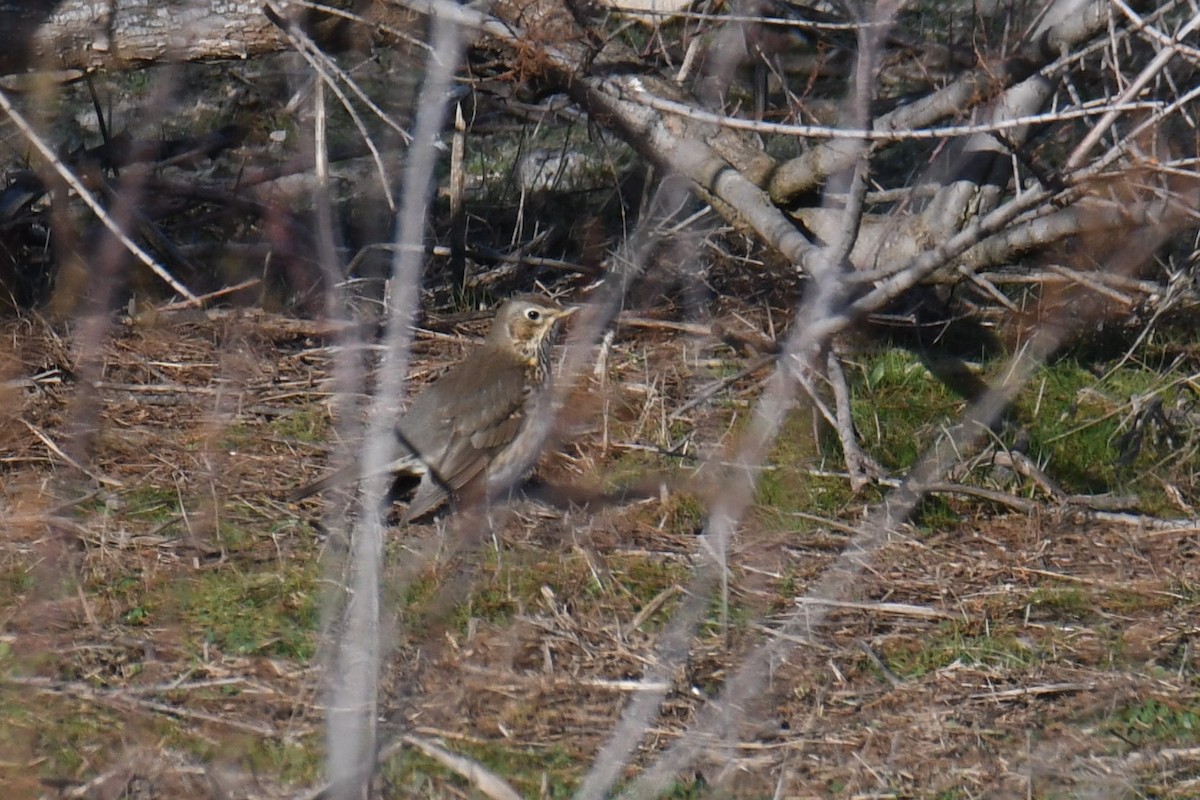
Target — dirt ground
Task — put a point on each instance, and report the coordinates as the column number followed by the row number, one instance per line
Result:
column 161, row 606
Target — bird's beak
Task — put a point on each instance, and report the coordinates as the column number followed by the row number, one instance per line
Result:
column 566, row 312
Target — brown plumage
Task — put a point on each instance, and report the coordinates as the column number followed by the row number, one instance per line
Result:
column 466, row 419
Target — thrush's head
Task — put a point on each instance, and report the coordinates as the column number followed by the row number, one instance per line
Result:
column 523, row 325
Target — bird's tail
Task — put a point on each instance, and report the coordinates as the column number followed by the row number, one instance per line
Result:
column 405, row 465
column 339, row 477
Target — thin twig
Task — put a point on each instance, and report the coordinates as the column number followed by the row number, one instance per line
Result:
column 204, row 298
column 90, row 199
column 475, row 773
column 58, row 451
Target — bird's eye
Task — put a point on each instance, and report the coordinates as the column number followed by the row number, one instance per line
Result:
column 533, row 315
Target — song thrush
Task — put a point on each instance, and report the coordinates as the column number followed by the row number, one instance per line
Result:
column 465, row 420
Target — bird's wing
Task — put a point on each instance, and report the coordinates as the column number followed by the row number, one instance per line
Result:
column 473, row 426
column 349, row 473
column 455, row 429
column 429, row 495
column 484, row 427
column 339, row 477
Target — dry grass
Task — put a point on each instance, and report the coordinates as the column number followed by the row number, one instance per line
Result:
column 162, row 615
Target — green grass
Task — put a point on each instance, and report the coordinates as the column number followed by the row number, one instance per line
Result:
column 16, row 579
column 52, row 736
column 516, row 583
column 272, row 612
column 234, row 538
column 1060, row 604
column 1157, row 722
column 137, row 613
column 899, row 408
column 630, row 465
column 642, row 579
column 240, row 436
column 1068, row 429
column 943, row 512
column 308, row 424
column 155, row 504
column 76, row 735
column 1125, row 601
column 1082, row 430
column 60, row 737
column 513, row 585
column 296, row 762
column 548, row 772
column 955, row 642
column 128, row 596
column 952, row 794
column 682, row 512
column 696, row 789
column 786, row 485
column 143, row 504
column 299, row 762
column 469, row 299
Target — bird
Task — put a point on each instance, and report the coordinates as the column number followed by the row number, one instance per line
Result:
column 467, row 420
